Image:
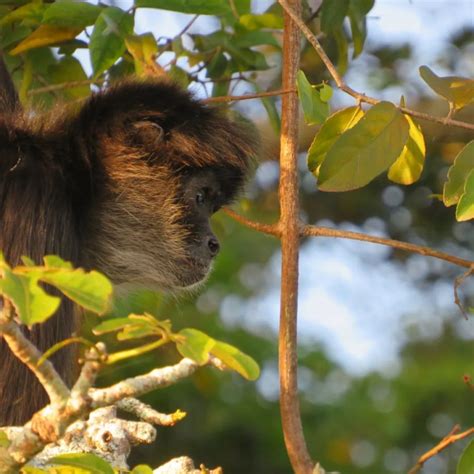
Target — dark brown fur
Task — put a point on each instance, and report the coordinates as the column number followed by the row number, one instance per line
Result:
column 80, row 184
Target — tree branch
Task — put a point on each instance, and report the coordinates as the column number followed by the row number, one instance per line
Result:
column 348, row 90
column 316, row 231
column 443, row 444
column 25, row 351
column 258, row 95
column 270, row 229
column 289, row 227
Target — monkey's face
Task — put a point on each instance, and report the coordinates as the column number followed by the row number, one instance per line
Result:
column 167, row 163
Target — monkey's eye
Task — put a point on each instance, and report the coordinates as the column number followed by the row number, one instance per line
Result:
column 200, row 197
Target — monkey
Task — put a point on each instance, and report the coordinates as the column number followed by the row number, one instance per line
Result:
column 125, row 183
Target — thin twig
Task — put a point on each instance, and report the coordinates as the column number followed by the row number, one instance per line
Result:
column 443, row 444
column 457, row 283
column 270, row 229
column 257, row 95
column 65, row 85
column 316, row 231
column 348, row 90
column 289, row 226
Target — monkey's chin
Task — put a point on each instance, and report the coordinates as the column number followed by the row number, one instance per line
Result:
column 195, row 275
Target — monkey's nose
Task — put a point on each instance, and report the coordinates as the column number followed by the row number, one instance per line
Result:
column 214, row 246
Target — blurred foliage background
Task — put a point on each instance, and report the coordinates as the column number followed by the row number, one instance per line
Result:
column 371, row 418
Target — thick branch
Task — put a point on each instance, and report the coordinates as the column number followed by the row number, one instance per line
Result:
column 141, row 384
column 348, row 90
column 289, row 227
column 25, row 351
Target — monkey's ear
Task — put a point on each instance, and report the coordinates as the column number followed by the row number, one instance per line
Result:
column 148, row 134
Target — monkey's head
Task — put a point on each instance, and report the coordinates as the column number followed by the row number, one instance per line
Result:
column 161, row 164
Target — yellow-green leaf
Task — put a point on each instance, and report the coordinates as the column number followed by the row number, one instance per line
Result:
column 459, row 91
column 465, row 207
column 89, row 462
column 329, row 132
column 315, row 109
column 143, row 48
column 91, row 290
column 264, row 20
column 72, row 14
column 69, row 69
column 142, row 469
column 466, row 461
column 409, row 165
column 236, row 360
column 31, row 302
column 457, row 175
column 200, row 7
column 364, row 151
column 196, row 345
column 46, row 35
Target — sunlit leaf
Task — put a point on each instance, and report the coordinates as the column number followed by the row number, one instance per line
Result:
column 30, row 14
column 457, row 175
column 330, row 131
column 265, row 20
column 409, row 165
column 90, row 462
column 466, row 461
column 325, row 92
column 365, row 150
column 142, row 469
column 143, row 48
column 71, row 14
column 111, row 325
column 333, row 13
column 107, row 40
column 4, row 441
column 465, row 207
column 31, row 302
column 314, row 108
column 201, row 7
column 46, row 35
column 196, row 345
column 91, row 290
column 236, row 360
column 459, row 91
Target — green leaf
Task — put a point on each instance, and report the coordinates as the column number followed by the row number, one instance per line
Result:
column 409, row 165
column 264, row 20
column 143, row 48
column 91, row 290
column 31, row 302
column 314, row 108
column 69, row 69
column 107, row 40
column 71, row 14
column 459, row 91
column 142, row 469
column 272, row 111
column 255, row 38
column 457, row 175
column 342, row 50
column 358, row 10
column 327, row 135
column 55, row 262
column 465, row 207
column 196, row 345
column 217, row 66
column 333, row 13
column 4, row 441
column 325, row 92
column 364, row 151
column 46, row 35
column 236, row 360
column 466, row 461
column 111, row 325
column 200, row 7
column 90, row 462
column 30, row 14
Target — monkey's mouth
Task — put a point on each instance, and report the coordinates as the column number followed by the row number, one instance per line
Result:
column 194, row 270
